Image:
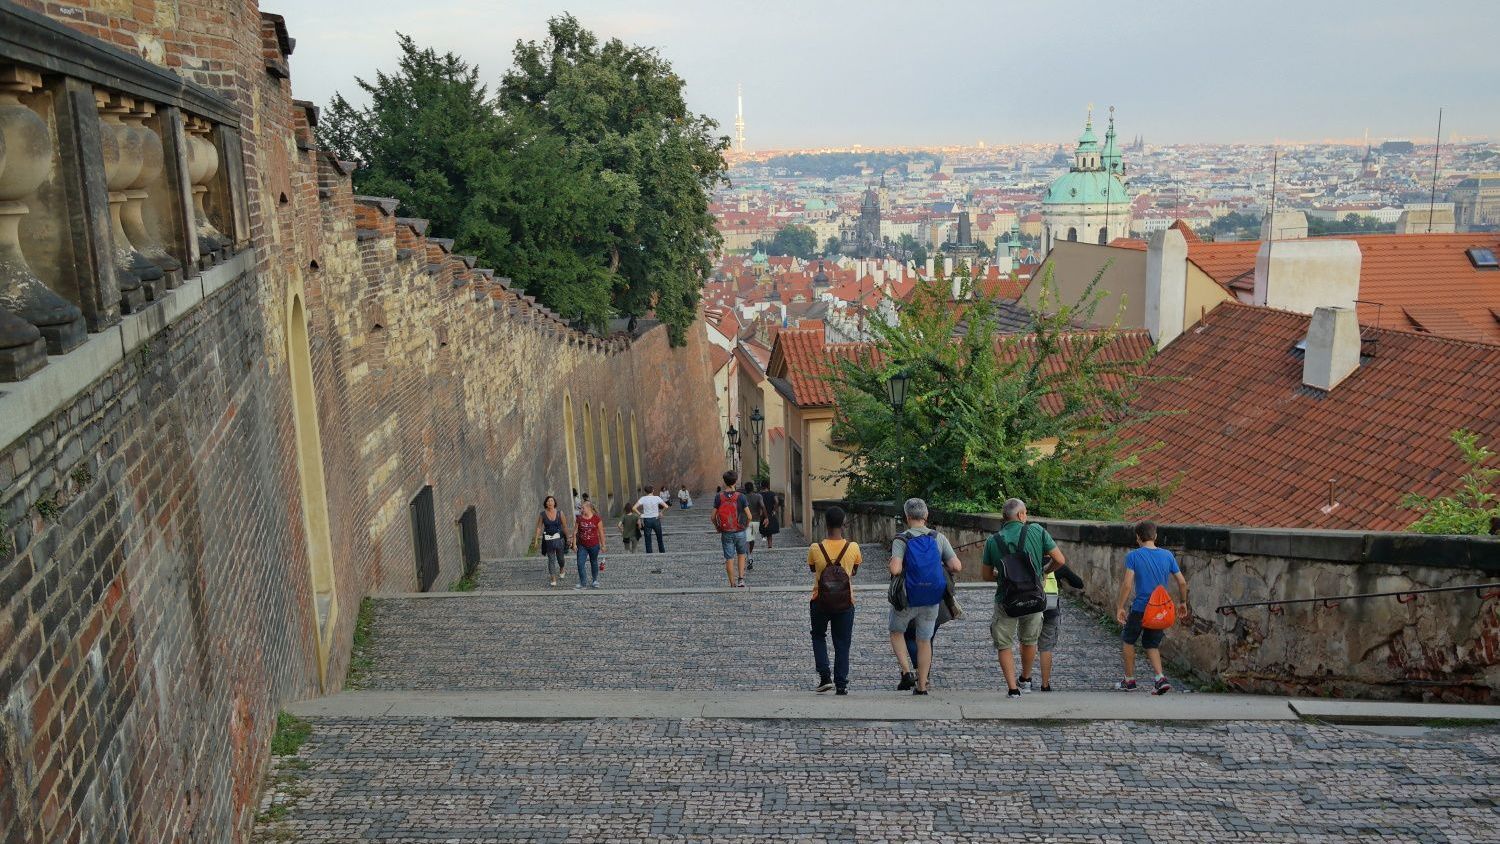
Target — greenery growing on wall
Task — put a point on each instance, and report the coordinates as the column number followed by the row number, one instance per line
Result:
column 584, row 178
column 1470, row 508
column 983, row 407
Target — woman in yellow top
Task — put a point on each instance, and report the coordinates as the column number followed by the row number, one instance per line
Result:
column 833, row 562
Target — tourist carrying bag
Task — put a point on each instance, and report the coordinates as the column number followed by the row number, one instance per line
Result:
column 1160, row 612
column 922, row 567
column 727, row 513
column 1021, row 586
column 835, row 592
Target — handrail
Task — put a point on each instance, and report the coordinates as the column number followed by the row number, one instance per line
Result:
column 1485, row 591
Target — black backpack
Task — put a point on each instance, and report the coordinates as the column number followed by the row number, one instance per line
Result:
column 835, row 592
column 1020, row 585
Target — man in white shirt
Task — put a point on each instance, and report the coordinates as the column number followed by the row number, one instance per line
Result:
column 650, row 507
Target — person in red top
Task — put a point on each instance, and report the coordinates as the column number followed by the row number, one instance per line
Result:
column 588, row 538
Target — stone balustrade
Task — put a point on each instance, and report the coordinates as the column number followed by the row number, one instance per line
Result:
column 118, row 181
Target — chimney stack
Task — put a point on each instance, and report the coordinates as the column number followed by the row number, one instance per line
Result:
column 1332, row 348
column 1303, row 275
column 1166, row 286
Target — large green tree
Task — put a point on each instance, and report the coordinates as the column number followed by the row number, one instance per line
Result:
column 1043, row 415
column 796, row 240
column 585, row 179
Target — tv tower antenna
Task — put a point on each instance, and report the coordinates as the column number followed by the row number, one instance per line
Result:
column 739, row 118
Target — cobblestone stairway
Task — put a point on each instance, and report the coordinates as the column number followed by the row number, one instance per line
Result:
column 668, row 624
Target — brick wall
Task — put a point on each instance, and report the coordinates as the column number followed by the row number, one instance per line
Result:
column 156, row 604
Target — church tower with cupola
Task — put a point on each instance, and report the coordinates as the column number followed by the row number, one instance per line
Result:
column 1088, row 203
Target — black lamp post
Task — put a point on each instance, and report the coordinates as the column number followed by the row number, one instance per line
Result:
column 733, row 435
column 895, row 391
column 757, row 427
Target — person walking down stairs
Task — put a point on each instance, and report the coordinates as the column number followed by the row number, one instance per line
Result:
column 589, row 539
column 552, row 536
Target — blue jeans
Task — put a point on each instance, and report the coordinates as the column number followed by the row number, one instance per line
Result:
column 843, row 633
column 592, row 556
column 649, row 526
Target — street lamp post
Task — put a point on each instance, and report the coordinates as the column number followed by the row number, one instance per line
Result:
column 733, row 436
column 895, row 392
column 757, row 427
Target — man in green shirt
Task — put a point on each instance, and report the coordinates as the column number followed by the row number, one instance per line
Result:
column 1004, row 630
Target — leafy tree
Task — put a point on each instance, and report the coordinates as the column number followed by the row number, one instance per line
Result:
column 419, row 138
column 585, row 179
column 832, row 247
column 982, row 409
column 1350, row 224
column 797, row 241
column 1470, row 509
column 617, row 113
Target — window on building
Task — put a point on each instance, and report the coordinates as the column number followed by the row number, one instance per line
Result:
column 1482, row 258
column 1104, row 236
column 1072, row 233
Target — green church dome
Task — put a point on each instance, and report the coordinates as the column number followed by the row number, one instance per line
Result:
column 1094, row 187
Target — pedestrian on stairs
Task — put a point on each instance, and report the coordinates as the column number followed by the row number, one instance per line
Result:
column 552, row 536
column 757, row 518
column 922, row 559
column 630, row 531
column 684, row 500
column 730, row 516
column 772, row 524
column 649, row 508
column 1016, row 559
column 834, row 562
column 589, row 540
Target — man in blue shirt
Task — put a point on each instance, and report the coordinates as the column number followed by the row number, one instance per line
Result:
column 1146, row 568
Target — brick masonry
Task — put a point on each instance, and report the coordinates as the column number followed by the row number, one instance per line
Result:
column 155, row 593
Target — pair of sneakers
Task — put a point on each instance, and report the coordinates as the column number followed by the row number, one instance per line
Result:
column 1159, row 686
column 826, row 685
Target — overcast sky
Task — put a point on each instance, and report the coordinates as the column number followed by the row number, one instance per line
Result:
column 880, row 72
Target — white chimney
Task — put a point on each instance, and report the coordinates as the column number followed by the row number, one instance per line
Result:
column 879, row 275
column 1284, row 225
column 930, row 268
column 1304, row 275
column 1332, row 347
column 1166, row 286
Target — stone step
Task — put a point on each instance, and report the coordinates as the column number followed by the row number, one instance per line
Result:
column 722, row 640
column 703, row 568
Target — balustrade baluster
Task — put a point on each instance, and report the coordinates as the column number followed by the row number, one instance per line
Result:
column 27, row 163
column 133, row 215
column 121, row 170
column 203, row 165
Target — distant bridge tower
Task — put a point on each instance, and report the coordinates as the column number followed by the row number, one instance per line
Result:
column 739, row 118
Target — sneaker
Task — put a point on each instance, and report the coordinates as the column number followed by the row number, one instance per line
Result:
column 841, row 691
column 1046, row 688
column 553, row 583
column 1013, row 694
column 741, row 584
column 825, row 685
column 1125, row 686
column 1027, row 686
column 919, row 691
column 594, row 585
column 578, row 586
column 1161, row 686
column 908, row 681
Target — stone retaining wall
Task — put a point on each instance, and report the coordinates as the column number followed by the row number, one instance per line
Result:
column 1442, row 646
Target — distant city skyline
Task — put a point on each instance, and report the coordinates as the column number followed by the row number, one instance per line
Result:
column 839, row 73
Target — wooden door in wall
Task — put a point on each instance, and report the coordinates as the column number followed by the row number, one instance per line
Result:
column 468, row 530
column 795, row 484
column 424, row 538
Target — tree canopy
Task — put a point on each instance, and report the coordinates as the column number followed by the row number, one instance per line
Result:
column 1042, row 415
column 795, row 240
column 585, row 178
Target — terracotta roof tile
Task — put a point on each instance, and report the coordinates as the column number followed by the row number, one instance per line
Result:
column 1251, row 445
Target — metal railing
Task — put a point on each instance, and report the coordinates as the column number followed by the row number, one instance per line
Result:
column 1484, row 591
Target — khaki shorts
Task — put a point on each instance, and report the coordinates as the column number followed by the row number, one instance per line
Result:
column 1004, row 630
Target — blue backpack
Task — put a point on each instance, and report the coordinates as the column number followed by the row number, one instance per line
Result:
column 923, row 567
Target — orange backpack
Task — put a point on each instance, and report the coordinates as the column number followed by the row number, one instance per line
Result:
column 1161, row 613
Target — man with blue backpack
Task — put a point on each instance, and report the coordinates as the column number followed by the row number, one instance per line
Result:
column 921, row 559
column 1015, row 559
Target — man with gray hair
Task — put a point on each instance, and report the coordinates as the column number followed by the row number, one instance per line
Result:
column 922, row 558
column 1025, row 547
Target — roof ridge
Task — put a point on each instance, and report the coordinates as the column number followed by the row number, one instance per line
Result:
column 1364, row 329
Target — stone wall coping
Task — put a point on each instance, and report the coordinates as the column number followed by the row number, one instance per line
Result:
column 25, row 404
column 386, row 204
column 1481, row 553
column 29, row 38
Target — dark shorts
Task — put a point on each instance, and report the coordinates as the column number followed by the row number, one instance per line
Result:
column 1149, row 639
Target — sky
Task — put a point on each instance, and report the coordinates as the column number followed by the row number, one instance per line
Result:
column 834, row 73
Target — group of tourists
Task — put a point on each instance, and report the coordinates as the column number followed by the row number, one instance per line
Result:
column 585, row 535
column 1023, row 561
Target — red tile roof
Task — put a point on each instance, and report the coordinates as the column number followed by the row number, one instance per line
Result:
column 1253, row 446
column 802, row 357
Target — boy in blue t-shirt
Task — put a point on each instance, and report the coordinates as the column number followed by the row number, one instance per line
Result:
column 1146, row 568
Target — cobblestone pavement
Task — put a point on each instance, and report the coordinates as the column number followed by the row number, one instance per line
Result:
column 724, row 640
column 401, row 780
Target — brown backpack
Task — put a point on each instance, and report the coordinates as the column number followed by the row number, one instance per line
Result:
column 835, row 592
